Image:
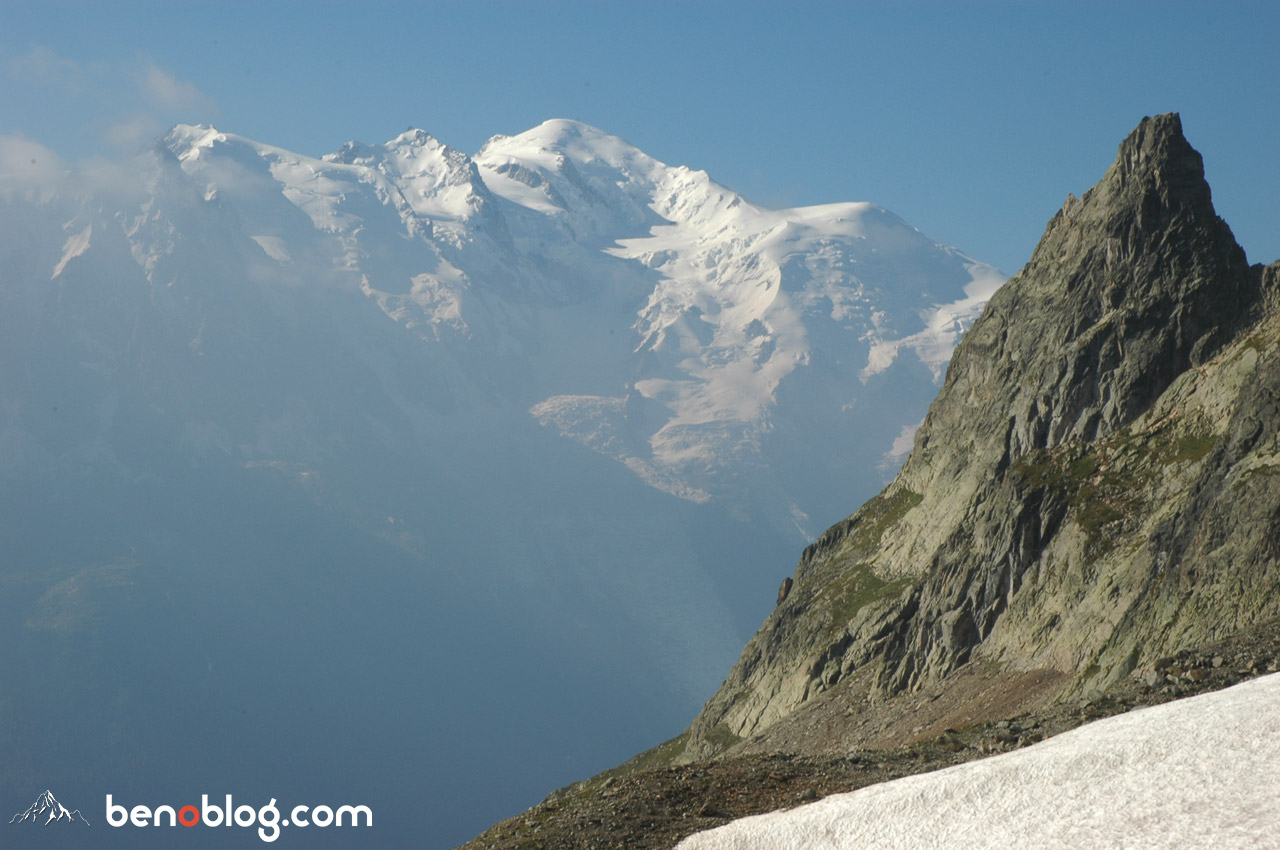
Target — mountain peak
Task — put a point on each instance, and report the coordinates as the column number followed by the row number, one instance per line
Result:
column 413, row 137
column 566, row 138
column 563, row 131
column 1053, row 512
column 1130, row 286
column 1159, row 136
column 350, row 153
column 184, row 138
column 1157, row 169
column 1158, row 150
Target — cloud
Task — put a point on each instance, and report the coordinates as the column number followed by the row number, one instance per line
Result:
column 133, row 131
column 124, row 105
column 162, row 89
column 32, row 170
column 159, row 99
column 41, row 66
column 26, row 165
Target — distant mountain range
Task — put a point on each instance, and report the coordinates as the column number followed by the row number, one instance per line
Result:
column 645, row 311
column 510, row 445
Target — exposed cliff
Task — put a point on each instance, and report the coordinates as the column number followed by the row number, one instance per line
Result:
column 1096, row 485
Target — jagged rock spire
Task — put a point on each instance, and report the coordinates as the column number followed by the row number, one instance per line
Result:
column 1064, row 505
column 1129, row 287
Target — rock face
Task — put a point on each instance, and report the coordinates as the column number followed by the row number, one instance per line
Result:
column 1096, row 485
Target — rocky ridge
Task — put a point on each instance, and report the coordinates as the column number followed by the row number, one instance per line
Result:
column 1094, row 486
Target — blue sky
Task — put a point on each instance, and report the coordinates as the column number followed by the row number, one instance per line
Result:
column 971, row 120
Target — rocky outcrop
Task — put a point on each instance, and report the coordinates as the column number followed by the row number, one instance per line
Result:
column 1097, row 484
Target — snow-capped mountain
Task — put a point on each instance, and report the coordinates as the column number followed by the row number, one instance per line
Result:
column 550, row 419
column 644, row 310
column 46, row 809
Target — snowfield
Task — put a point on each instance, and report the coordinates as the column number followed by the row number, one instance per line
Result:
column 1201, row 772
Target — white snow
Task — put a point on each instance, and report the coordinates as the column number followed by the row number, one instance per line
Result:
column 738, row 319
column 1199, row 772
column 753, row 345
column 76, row 245
column 944, row 325
column 273, row 247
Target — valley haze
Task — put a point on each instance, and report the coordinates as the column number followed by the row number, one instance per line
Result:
column 416, row 475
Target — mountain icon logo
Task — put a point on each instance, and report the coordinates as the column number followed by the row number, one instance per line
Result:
column 46, row 809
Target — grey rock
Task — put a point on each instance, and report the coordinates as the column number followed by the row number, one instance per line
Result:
column 1094, row 487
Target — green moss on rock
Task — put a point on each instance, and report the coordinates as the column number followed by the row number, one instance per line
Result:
column 879, row 514
column 856, row 588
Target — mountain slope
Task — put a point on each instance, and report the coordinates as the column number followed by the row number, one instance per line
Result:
column 1092, row 487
